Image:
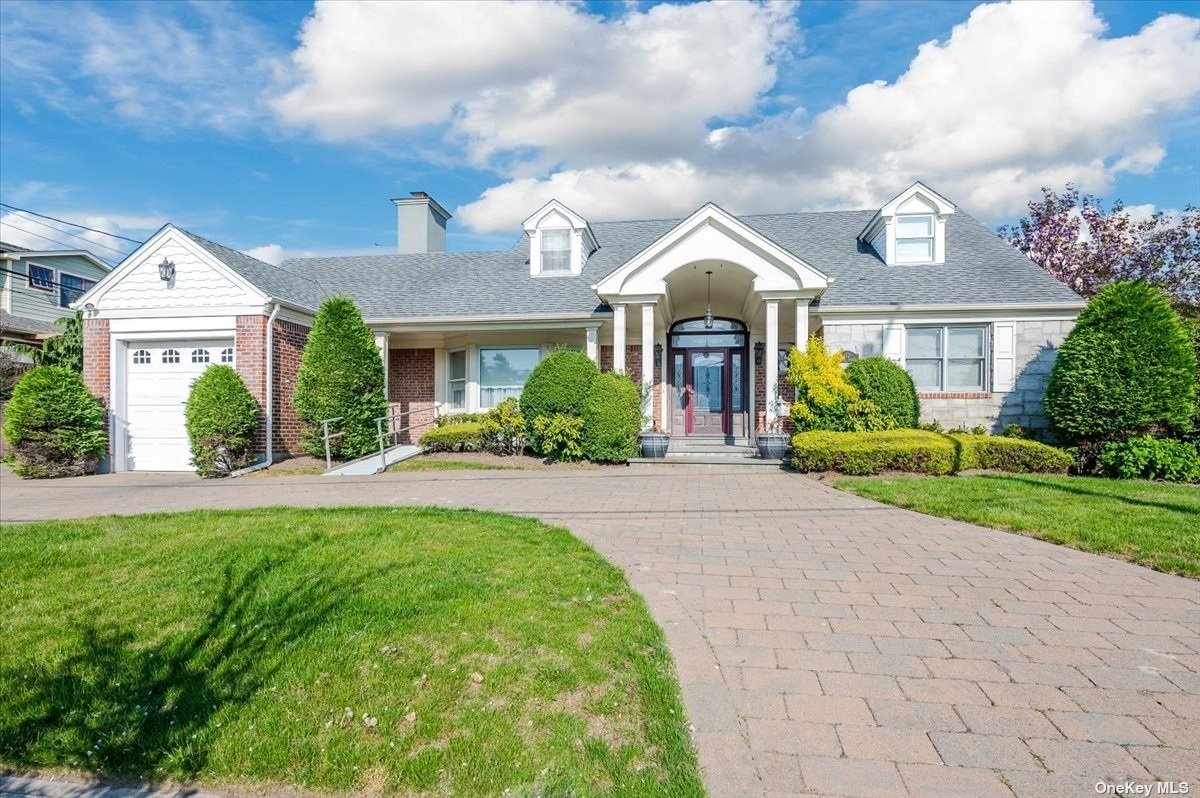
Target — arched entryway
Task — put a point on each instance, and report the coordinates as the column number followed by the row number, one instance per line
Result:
column 708, row 378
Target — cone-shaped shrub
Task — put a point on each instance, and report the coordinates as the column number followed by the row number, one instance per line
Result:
column 559, row 384
column 882, row 381
column 54, row 425
column 612, row 417
column 341, row 374
column 222, row 418
column 1126, row 369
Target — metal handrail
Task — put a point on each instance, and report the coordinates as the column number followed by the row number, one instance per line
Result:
column 325, row 436
column 393, row 415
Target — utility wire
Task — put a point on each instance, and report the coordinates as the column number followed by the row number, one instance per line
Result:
column 48, row 283
column 39, row 235
column 67, row 232
column 72, row 224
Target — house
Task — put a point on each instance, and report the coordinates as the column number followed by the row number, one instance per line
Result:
column 37, row 287
column 702, row 310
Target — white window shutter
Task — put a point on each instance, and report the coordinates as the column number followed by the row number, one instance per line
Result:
column 1003, row 355
column 893, row 342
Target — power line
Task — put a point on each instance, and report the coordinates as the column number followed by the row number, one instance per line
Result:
column 72, row 224
column 68, row 232
column 52, row 283
column 39, row 235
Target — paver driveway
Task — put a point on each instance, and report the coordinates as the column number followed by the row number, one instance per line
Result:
column 825, row 643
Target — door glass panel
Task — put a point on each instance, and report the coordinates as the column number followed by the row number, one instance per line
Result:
column 708, row 372
column 694, row 341
column 678, row 383
column 735, row 376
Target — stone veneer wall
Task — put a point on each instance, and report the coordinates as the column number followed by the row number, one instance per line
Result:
column 411, row 388
column 1037, row 345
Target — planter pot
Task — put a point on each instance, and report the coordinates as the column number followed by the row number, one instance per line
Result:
column 772, row 445
column 654, row 444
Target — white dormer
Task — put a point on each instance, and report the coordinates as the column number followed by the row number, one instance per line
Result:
column 560, row 240
column 911, row 227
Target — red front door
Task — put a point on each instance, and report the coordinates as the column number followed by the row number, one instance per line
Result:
column 707, row 387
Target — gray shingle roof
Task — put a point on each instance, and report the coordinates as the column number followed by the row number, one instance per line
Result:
column 980, row 269
column 294, row 289
column 26, row 325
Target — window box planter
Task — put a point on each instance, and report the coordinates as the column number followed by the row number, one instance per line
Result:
column 772, row 445
column 654, row 444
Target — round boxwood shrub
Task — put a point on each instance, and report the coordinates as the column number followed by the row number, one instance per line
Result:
column 221, row 418
column 464, row 437
column 559, row 384
column 53, row 424
column 612, row 417
column 1127, row 369
column 341, row 375
column 882, row 381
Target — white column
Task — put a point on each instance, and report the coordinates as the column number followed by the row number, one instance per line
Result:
column 648, row 361
column 381, row 343
column 802, row 324
column 593, row 344
column 771, row 358
column 619, row 338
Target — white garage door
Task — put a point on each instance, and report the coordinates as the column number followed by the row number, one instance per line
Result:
column 159, row 375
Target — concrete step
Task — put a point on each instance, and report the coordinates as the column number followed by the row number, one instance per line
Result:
column 702, row 458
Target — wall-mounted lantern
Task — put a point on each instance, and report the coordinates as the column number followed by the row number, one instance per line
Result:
column 166, row 271
column 759, row 349
column 658, row 355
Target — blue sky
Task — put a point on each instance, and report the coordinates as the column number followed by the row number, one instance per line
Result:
column 283, row 128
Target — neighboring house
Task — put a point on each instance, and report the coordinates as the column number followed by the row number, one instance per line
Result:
column 37, row 287
column 702, row 310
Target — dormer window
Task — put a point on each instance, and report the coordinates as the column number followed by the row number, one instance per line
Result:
column 556, row 251
column 914, row 238
column 560, row 241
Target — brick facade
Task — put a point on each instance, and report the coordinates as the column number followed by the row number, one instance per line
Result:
column 97, row 354
column 249, row 354
column 411, row 390
column 250, row 343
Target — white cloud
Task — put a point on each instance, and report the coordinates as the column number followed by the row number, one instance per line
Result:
column 530, row 84
column 1021, row 96
column 103, row 241
column 164, row 67
column 268, row 253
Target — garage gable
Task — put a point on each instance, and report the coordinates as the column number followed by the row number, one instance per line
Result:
column 196, row 279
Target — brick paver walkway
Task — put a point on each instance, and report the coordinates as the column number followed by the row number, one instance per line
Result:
column 828, row 644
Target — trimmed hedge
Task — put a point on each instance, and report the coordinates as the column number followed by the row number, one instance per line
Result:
column 464, row 437
column 1017, row 455
column 612, row 417
column 451, row 419
column 1126, row 369
column 882, row 381
column 1151, row 458
column 53, row 424
column 559, row 384
column 222, row 418
column 922, row 452
column 341, row 375
column 865, row 453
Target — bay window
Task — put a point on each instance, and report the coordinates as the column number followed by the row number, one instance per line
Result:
column 502, row 373
column 914, row 238
column 947, row 358
column 456, row 380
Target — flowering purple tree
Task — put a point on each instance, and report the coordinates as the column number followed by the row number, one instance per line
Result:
column 1071, row 236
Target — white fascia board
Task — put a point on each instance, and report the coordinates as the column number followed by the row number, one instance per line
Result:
column 947, row 315
column 462, row 323
column 888, row 209
column 147, row 328
column 912, row 308
column 186, row 312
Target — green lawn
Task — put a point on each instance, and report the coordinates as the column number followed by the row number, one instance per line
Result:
column 1151, row 523
column 395, row 651
column 428, row 464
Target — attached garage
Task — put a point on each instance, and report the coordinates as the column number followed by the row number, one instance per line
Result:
column 158, row 377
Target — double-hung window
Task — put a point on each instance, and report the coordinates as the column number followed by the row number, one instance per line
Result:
column 947, row 358
column 41, row 277
column 502, row 373
column 914, row 238
column 71, row 288
column 556, row 251
column 456, row 380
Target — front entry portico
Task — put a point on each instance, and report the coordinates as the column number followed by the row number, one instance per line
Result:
column 708, row 378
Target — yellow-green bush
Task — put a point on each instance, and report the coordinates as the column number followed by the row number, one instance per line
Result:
column 825, row 399
column 1018, row 455
column 865, row 453
column 464, row 437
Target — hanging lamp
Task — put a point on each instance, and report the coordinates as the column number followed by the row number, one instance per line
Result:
column 708, row 314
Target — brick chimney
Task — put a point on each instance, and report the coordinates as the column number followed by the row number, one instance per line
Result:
column 421, row 223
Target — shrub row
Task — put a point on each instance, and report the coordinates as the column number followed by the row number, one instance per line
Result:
column 921, row 452
column 464, row 437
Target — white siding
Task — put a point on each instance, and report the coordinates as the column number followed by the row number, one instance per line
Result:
column 196, row 283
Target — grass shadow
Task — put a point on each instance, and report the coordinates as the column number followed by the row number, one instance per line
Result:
column 1082, row 491
column 115, row 706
